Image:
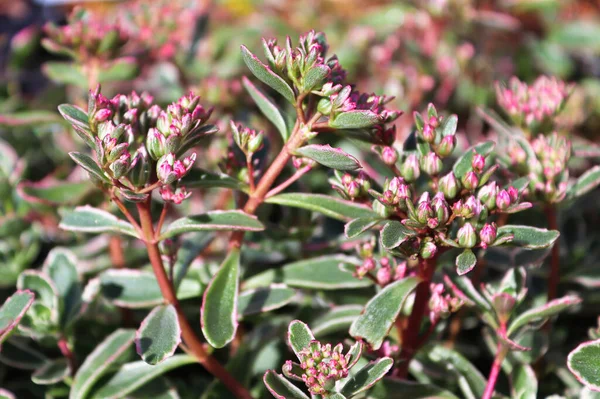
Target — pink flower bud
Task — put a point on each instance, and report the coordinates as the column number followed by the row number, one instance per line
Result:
column 384, row 275
column 428, row 250
column 488, row 234
column 431, row 164
column 513, row 193
column 389, row 155
column 470, row 181
column 446, row 146
column 103, row 115
column 503, row 200
column 467, row 238
column 428, row 133
column 478, row 163
column 449, row 186
column 410, row 169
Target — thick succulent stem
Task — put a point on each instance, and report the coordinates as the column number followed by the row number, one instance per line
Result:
column 188, row 334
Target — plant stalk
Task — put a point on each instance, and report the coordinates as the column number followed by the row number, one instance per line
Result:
column 495, row 371
column 63, row 345
column 188, row 334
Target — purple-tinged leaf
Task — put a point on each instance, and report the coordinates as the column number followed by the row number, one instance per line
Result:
column 449, row 125
column 357, row 119
column 267, row 76
column 315, row 77
column 354, row 353
column 584, row 363
column 374, row 324
column 100, row 361
column 281, row 388
column 299, row 336
column 357, row 226
column 29, row 118
column 213, row 221
column 264, row 299
column 53, row 192
column 52, row 372
column 550, row 309
column 394, row 234
column 335, row 320
column 465, row 262
column 334, row 158
column 46, row 293
column 529, row 237
column 586, row 182
column 335, row 208
column 88, row 219
column 6, row 394
column 267, row 107
column 219, row 305
column 68, row 73
column 368, row 376
column 463, row 288
column 159, row 335
column 524, row 383
column 517, row 207
column 90, row 166
column 13, row 310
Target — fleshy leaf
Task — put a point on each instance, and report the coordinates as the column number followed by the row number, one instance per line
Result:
column 13, row 310
column 267, row 107
column 529, row 237
column 299, row 336
column 87, row 163
column 394, row 233
column 315, row 77
column 335, row 208
column 52, row 372
column 584, row 363
column 88, row 219
column 322, row 273
column 381, row 311
column 335, row 320
column 357, row 226
column 281, row 388
column 449, row 125
column 133, row 375
column 45, row 291
column 394, row 388
column 124, row 68
column 17, row 353
column 366, row 377
column 464, row 163
column 137, row 289
column 334, row 158
column 29, row 118
column 586, row 183
column 75, row 116
column 66, row 73
column 159, row 335
column 213, row 221
column 451, row 359
column 357, row 119
column 100, row 361
column 524, row 382
column 265, row 299
column 54, row 193
column 465, row 262
column 200, row 178
column 550, row 309
column 219, row 306
column 60, row 265
column 267, row 76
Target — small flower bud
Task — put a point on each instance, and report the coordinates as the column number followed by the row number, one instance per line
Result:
column 431, row 164
column 513, row 193
column 478, row 163
column 487, row 195
column 446, row 146
column 424, row 212
column 428, row 250
column 103, row 115
column 467, row 238
column 389, row 155
column 156, row 143
column 503, row 200
column 470, row 181
column 120, row 166
column 449, row 186
column 410, row 168
column 255, row 142
column 384, row 275
column 428, row 133
column 487, row 234
column 139, row 172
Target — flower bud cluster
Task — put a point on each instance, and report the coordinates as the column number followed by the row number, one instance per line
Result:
column 395, row 193
column 247, row 140
column 548, row 172
column 322, row 367
column 351, row 187
column 533, row 107
column 501, row 200
column 441, row 305
column 434, row 130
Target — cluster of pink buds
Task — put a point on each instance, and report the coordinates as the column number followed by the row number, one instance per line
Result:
column 85, row 37
column 170, row 169
column 177, row 197
column 247, row 140
column 548, row 172
column 322, row 367
column 437, row 132
column 441, row 304
column 532, row 107
column 501, row 200
column 354, row 188
column 395, row 193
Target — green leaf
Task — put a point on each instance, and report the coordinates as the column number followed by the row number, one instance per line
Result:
column 87, row 163
column 320, row 273
column 54, row 193
column 337, row 319
column 529, row 237
column 67, row 73
column 88, row 219
column 13, row 310
column 464, row 289
column 357, row 226
column 52, row 372
column 100, row 361
column 260, row 300
column 381, row 311
column 137, row 289
column 395, row 233
column 464, row 163
column 465, row 262
column 200, row 178
column 267, row 107
column 330, row 157
column 213, row 221
column 453, row 360
column 159, row 335
column 219, row 306
column 357, row 119
column 29, row 118
column 584, row 363
column 335, row 208
column 281, row 388
column 132, row 376
column 586, row 182
column 524, row 382
column 16, row 352
column 393, row 388
column 125, row 68
column 158, row 388
column 366, row 377
column 336, row 395
column 45, row 290
column 299, row 336
column 550, row 309
column 79, row 120
column 60, row 266
column 449, row 125
column 268, row 77
column 578, row 35
column 315, row 77
column 190, row 247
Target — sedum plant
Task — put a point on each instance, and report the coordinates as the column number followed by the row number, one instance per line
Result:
column 211, row 240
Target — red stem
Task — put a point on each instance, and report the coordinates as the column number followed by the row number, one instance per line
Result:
column 193, row 343
column 410, row 336
column 63, row 345
column 495, row 371
column 554, row 277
